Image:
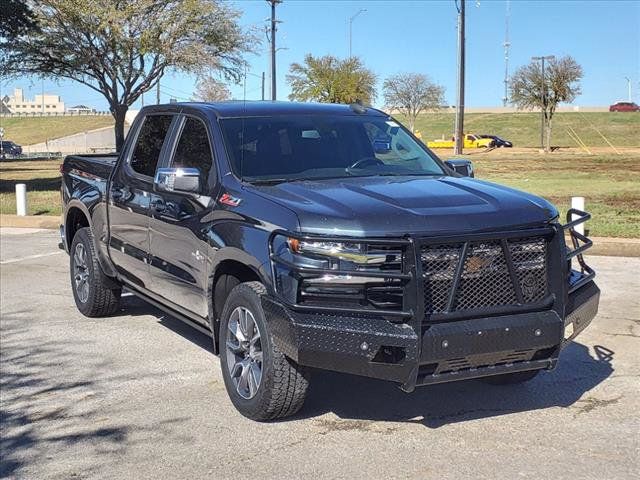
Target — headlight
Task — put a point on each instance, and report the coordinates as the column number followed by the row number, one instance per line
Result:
column 352, row 252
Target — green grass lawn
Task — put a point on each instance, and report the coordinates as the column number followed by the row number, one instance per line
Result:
column 523, row 129
column 43, row 186
column 30, row 130
column 610, row 184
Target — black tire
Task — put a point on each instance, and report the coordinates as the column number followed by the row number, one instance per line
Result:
column 511, row 378
column 283, row 384
column 96, row 296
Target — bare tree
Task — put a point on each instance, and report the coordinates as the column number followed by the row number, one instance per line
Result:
column 561, row 84
column 331, row 80
column 208, row 89
column 122, row 48
column 412, row 94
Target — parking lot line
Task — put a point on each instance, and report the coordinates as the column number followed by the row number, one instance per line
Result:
column 29, row 257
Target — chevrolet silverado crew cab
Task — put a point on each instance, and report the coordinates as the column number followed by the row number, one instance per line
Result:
column 307, row 236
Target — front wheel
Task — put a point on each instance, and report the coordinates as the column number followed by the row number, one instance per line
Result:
column 511, row 378
column 262, row 383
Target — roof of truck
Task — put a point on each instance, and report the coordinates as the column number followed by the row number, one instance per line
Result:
column 239, row 108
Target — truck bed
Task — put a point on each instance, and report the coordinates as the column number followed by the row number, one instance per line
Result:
column 98, row 165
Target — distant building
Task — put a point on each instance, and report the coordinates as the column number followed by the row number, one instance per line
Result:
column 46, row 103
column 80, row 109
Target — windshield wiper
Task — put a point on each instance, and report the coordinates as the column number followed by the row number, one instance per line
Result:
column 270, row 181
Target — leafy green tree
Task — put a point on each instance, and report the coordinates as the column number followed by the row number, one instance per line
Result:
column 17, row 20
column 331, row 80
column 561, row 84
column 411, row 94
column 121, row 48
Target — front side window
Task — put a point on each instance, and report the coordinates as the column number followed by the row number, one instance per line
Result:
column 149, row 144
column 299, row 147
column 193, row 150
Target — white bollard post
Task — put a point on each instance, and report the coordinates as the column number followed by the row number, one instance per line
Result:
column 21, row 199
column 578, row 204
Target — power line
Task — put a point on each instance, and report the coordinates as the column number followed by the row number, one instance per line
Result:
column 507, row 45
column 459, row 140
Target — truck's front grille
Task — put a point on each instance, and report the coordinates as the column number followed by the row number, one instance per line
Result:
column 485, row 279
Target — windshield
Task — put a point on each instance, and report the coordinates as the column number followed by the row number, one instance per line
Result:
column 297, row 147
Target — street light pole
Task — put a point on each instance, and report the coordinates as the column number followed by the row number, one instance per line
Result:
column 459, row 135
column 628, row 87
column 543, row 95
column 273, row 46
column 351, row 19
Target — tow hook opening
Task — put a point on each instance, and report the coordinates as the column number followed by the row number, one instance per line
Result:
column 391, row 355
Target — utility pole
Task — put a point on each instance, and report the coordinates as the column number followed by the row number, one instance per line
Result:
column 507, row 45
column 543, row 95
column 158, row 92
column 459, row 135
column 42, row 97
column 628, row 87
column 274, row 23
column 262, row 85
column 351, row 19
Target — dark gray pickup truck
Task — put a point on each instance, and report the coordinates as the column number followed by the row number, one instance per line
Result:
column 305, row 236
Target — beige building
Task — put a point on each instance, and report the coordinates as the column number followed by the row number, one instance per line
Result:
column 46, row 103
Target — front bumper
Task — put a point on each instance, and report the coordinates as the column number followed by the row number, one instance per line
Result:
column 412, row 351
column 379, row 348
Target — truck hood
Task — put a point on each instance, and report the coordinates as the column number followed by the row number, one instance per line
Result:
column 385, row 206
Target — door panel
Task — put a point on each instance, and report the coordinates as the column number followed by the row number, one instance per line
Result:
column 179, row 263
column 129, row 228
column 178, row 253
column 129, row 201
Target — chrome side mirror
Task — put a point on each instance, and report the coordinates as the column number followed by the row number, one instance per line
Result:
column 180, row 180
column 462, row 166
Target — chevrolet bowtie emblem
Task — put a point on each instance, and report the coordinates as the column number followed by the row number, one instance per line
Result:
column 476, row 263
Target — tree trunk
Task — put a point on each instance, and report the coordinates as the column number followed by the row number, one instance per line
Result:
column 119, row 112
column 547, row 143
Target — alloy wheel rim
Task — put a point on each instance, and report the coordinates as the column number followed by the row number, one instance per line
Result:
column 81, row 273
column 244, row 352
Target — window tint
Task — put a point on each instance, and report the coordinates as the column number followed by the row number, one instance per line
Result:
column 150, row 139
column 305, row 147
column 193, row 150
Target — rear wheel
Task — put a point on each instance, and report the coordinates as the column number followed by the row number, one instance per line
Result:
column 262, row 383
column 511, row 378
column 93, row 291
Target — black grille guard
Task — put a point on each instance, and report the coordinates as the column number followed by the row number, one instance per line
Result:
column 411, row 272
column 580, row 243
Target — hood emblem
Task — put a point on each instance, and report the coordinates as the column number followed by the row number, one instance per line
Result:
column 229, row 200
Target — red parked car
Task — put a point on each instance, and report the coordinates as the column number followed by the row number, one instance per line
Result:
column 624, row 107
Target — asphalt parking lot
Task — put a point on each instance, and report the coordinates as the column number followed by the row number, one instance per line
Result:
column 140, row 395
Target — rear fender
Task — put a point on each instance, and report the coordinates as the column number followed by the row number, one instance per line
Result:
column 103, row 259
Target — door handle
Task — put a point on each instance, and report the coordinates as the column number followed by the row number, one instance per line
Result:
column 158, row 205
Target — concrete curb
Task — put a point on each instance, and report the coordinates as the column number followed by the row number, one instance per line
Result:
column 615, row 247
column 30, row 221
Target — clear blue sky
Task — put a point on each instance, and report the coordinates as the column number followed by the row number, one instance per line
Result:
column 420, row 36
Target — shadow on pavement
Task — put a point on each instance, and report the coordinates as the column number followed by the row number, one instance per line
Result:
column 52, row 403
column 361, row 398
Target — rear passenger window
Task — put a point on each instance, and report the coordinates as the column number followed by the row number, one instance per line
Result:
column 149, row 144
column 193, row 150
